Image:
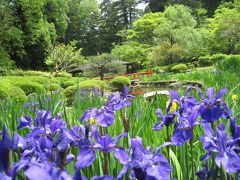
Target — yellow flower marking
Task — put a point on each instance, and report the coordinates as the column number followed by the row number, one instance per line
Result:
column 92, row 121
column 234, row 97
column 173, row 108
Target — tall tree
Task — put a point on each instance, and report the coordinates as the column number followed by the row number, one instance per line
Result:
column 84, row 19
column 117, row 17
column 38, row 33
column 56, row 12
column 159, row 6
column 11, row 35
column 225, row 27
column 177, row 37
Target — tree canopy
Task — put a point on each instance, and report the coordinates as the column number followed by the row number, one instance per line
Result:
column 166, row 31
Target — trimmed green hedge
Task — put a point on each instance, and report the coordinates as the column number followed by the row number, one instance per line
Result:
column 37, row 73
column 32, row 84
column 10, row 91
column 63, row 74
column 211, row 60
column 73, row 81
column 29, row 87
column 119, row 82
column 179, row 68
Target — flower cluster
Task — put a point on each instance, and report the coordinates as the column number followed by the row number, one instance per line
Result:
column 207, row 113
column 46, row 150
column 45, row 145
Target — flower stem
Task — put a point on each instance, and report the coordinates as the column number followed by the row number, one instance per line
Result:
column 167, row 139
column 186, row 148
column 191, row 147
column 105, row 164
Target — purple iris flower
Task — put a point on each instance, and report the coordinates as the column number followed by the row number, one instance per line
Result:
column 204, row 173
column 117, row 102
column 43, row 118
column 106, row 143
column 4, row 176
column 144, row 164
column 19, row 142
column 211, row 109
column 46, row 171
column 167, row 120
column 5, row 151
column 63, row 140
column 103, row 178
column 183, row 131
column 104, row 117
column 25, row 122
column 225, row 148
column 187, row 104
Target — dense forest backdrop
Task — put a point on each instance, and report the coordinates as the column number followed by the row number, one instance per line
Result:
column 162, row 32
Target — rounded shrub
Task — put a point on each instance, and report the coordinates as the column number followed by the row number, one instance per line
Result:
column 29, row 87
column 179, row 68
column 63, row 74
column 3, row 92
column 119, row 82
column 195, row 63
column 16, row 72
column 37, row 73
column 190, row 66
column 9, row 91
column 73, row 81
column 167, row 68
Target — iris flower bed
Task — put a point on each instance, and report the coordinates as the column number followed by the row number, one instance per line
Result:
column 51, row 148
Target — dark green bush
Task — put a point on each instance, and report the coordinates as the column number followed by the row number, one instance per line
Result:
column 179, row 68
column 205, row 61
column 119, row 82
column 195, row 63
column 190, row 66
column 211, row 60
column 6, row 63
column 2, row 71
column 231, row 63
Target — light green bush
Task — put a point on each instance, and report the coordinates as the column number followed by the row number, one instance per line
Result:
column 37, row 73
column 119, row 82
column 73, row 81
column 179, row 68
column 167, row 68
column 9, row 91
column 16, row 72
column 63, row 74
column 29, row 87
